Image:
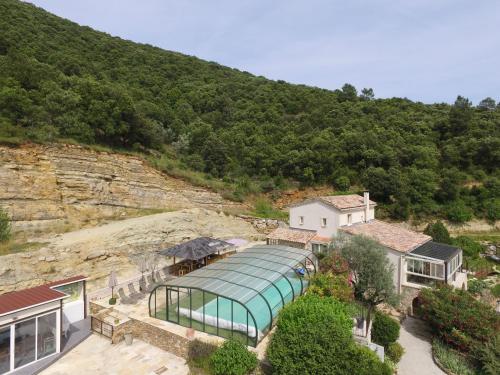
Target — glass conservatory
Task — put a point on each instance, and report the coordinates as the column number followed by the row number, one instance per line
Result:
column 237, row 297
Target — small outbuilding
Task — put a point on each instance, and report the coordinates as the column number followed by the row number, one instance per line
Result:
column 34, row 321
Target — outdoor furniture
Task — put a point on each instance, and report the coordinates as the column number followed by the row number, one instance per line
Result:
column 134, row 293
column 196, row 252
column 142, row 286
column 124, row 298
column 151, row 283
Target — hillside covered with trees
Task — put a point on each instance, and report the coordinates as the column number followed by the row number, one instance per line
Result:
column 59, row 80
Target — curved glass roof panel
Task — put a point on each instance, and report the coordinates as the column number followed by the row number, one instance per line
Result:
column 246, row 274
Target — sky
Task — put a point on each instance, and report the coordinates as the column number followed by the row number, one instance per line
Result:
column 424, row 50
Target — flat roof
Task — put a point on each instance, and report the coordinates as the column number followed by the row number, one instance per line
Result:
column 389, row 235
column 436, row 250
column 39, row 295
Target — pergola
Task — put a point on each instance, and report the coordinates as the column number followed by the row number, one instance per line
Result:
column 197, row 249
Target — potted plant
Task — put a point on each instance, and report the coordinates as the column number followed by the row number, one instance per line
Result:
column 129, row 338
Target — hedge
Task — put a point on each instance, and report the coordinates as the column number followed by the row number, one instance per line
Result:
column 385, row 330
column 314, row 336
column 233, row 358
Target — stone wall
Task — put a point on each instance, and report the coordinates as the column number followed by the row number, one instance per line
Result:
column 60, row 185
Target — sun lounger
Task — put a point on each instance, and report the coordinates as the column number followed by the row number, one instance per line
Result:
column 126, row 300
column 134, row 293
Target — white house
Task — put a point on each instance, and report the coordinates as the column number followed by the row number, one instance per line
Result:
column 418, row 261
column 33, row 321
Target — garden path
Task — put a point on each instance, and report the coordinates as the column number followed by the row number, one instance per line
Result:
column 415, row 338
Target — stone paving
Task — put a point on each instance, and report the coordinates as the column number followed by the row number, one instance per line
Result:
column 97, row 356
column 415, row 339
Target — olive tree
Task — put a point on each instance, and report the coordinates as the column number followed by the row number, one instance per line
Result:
column 372, row 272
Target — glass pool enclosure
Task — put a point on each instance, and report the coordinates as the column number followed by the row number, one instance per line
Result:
column 239, row 296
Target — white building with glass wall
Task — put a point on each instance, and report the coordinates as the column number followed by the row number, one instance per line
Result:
column 418, row 261
column 33, row 322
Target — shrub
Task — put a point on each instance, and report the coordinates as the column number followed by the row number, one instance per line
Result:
column 489, row 357
column 496, row 291
column 233, row 358
column 476, row 286
column 470, row 247
column 385, row 330
column 313, row 336
column 438, row 232
column 330, row 285
column 342, row 183
column 199, row 353
column 458, row 213
column 451, row 360
column 4, row 225
column 395, row 351
column 112, row 301
column 334, row 262
column 458, row 318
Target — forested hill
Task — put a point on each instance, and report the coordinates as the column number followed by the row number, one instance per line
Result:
column 59, row 80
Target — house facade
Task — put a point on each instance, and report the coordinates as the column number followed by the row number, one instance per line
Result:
column 417, row 260
column 33, row 322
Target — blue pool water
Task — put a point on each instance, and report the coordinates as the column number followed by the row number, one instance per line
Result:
column 256, row 305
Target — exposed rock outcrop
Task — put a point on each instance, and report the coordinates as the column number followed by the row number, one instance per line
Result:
column 96, row 251
column 45, row 187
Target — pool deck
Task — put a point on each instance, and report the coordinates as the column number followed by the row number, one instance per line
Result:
column 140, row 312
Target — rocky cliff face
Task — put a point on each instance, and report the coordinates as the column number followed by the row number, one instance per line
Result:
column 45, row 187
column 94, row 252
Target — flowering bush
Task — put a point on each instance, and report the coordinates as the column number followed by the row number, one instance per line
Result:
column 458, row 319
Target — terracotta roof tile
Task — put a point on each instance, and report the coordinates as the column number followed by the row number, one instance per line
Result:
column 319, row 238
column 23, row 299
column 292, row 235
column 389, row 235
column 343, row 202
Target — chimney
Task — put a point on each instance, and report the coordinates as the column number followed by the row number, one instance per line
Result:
column 366, row 202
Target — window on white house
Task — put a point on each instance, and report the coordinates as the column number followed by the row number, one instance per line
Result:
column 318, row 248
column 301, row 220
column 349, row 219
column 323, row 222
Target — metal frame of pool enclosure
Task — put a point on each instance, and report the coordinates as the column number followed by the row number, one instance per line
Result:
column 239, row 296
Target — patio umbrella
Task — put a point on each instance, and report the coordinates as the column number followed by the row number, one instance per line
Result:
column 237, row 242
column 112, row 282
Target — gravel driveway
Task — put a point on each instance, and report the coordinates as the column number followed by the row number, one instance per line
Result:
column 415, row 339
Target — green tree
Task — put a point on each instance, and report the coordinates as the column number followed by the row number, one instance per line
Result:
column 372, row 272
column 5, row 226
column 317, row 330
column 487, row 104
column 438, row 232
column 458, row 212
column 367, row 94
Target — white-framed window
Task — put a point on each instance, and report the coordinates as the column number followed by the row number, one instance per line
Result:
column 425, row 268
column 349, row 219
column 318, row 248
column 29, row 340
column 323, row 222
column 301, row 220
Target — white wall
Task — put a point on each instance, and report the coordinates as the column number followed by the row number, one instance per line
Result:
column 395, row 257
column 73, row 312
column 313, row 212
column 358, row 216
